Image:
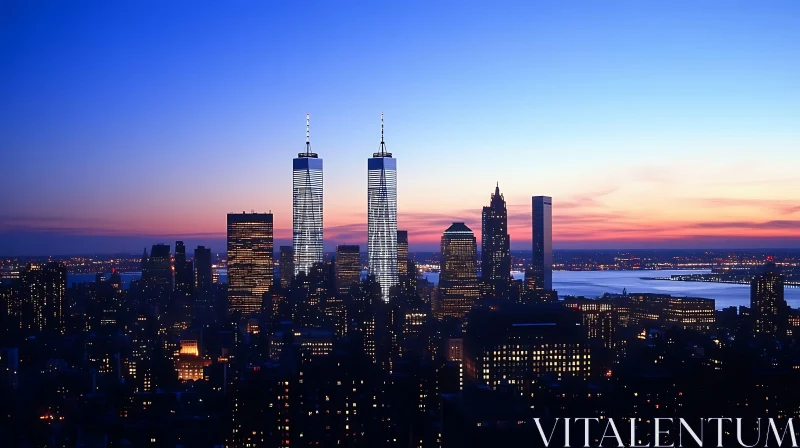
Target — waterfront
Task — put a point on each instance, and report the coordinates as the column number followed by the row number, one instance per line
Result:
column 597, row 283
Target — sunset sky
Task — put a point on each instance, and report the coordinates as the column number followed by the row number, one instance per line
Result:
column 652, row 124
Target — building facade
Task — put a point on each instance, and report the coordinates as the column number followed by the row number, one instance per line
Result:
column 250, row 269
column 542, row 262
column 768, row 308
column 382, row 217
column 307, row 209
column 348, row 268
column 402, row 253
column 458, row 272
column 42, row 295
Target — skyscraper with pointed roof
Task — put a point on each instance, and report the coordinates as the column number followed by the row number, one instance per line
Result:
column 382, row 217
column 307, row 208
column 495, row 247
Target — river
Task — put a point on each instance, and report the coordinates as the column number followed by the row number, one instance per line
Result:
column 596, row 283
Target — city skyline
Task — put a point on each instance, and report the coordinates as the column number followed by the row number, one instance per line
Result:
column 616, row 102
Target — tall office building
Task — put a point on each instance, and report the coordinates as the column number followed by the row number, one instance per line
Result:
column 495, row 247
column 43, row 290
column 307, row 209
column 286, row 265
column 250, row 266
column 348, row 267
column 458, row 272
column 768, row 309
column 402, row 253
column 184, row 275
column 382, row 217
column 202, row 270
column 542, row 265
column 158, row 276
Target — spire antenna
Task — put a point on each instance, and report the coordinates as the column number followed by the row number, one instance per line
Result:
column 308, row 136
column 382, row 152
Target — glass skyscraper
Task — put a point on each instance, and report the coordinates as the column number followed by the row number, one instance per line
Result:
column 307, row 209
column 382, row 217
column 250, row 267
column 542, row 265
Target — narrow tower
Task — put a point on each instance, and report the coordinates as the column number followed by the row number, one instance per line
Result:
column 495, row 248
column 382, row 217
column 307, row 208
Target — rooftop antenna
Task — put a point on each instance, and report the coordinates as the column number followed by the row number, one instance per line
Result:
column 308, row 137
column 383, row 152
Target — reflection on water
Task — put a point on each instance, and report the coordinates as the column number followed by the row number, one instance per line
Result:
column 596, row 283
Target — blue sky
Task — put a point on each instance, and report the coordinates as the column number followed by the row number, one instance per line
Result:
column 652, row 124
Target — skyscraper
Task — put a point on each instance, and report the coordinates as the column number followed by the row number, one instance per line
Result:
column 402, row 253
column 158, row 276
column 202, row 270
column 348, row 267
column 307, row 208
column 286, row 264
column 43, row 289
column 542, row 265
column 250, row 267
column 184, row 275
column 382, row 217
column 458, row 272
column 495, row 247
column 768, row 308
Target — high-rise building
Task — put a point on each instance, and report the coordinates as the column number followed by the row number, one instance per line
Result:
column 402, row 253
column 158, row 276
column 495, row 247
column 286, row 265
column 458, row 272
column 768, row 308
column 307, row 209
column 202, row 270
column 513, row 345
column 184, row 275
column 542, row 265
column 43, row 289
column 250, row 266
column 382, row 217
column 348, row 267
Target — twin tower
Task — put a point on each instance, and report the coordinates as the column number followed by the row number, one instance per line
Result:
column 381, row 213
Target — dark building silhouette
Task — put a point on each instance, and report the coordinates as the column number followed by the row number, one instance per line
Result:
column 184, row 272
column 286, row 265
column 202, row 270
column 250, row 268
column 458, row 277
column 541, row 272
column 348, row 268
column 769, row 311
column 495, row 248
column 402, row 253
column 42, row 294
column 157, row 275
